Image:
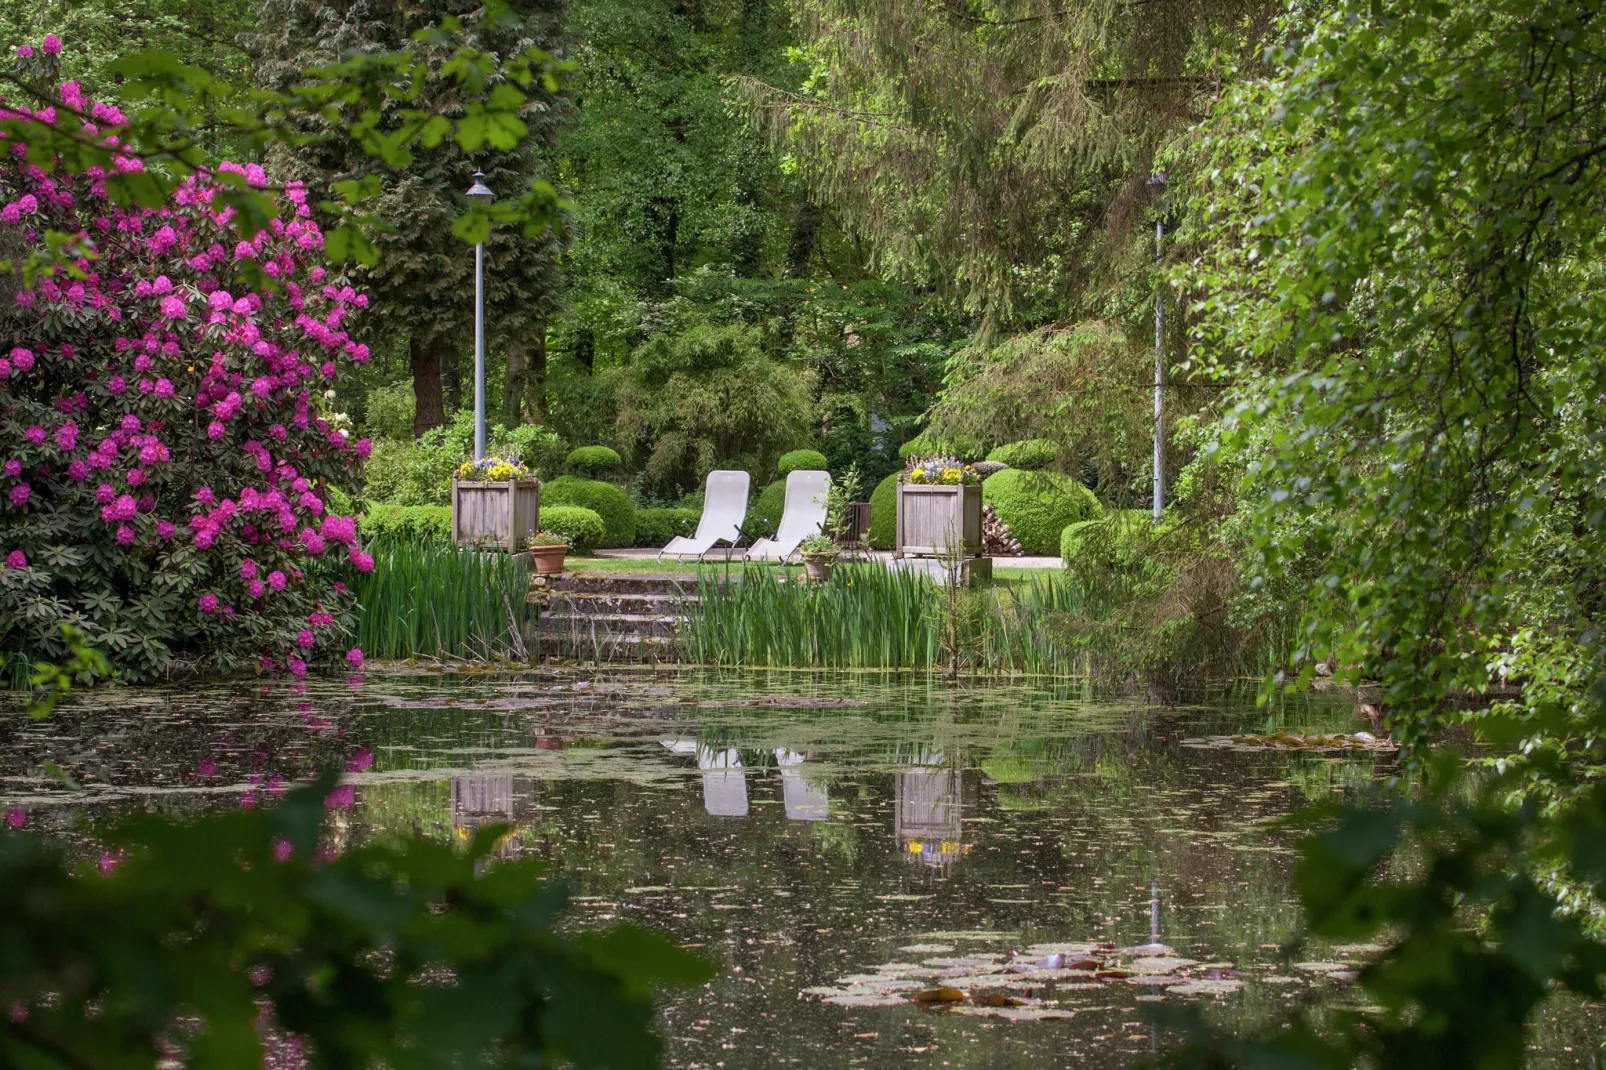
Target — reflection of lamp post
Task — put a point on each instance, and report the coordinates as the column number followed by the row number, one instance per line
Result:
column 479, row 193
column 1156, row 186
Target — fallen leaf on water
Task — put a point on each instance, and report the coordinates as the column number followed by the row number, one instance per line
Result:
column 998, row 999
column 944, row 994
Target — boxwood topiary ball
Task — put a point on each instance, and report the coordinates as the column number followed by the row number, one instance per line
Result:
column 1038, row 506
column 605, row 499
column 800, row 461
column 884, row 513
column 593, row 460
column 1030, row 453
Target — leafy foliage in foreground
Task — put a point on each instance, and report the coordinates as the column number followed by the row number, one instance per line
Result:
column 409, row 955
column 1402, row 280
column 1478, row 937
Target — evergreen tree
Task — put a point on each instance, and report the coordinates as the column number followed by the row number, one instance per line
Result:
column 423, row 284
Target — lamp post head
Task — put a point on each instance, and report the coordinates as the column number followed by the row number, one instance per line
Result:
column 479, row 192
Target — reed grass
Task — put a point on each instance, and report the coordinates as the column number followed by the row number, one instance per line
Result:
column 433, row 599
column 869, row 616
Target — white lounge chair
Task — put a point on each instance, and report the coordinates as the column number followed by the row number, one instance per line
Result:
column 724, row 509
column 802, row 515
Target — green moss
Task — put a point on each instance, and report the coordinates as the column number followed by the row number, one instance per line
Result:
column 605, row 499
column 593, row 460
column 655, row 527
column 581, row 526
column 1038, row 506
column 428, row 522
column 884, row 513
column 1030, row 453
column 799, row 461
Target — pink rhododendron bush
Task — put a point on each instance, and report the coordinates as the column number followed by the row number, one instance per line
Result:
column 165, row 464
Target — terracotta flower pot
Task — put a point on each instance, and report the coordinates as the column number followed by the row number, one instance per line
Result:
column 549, row 559
column 818, row 566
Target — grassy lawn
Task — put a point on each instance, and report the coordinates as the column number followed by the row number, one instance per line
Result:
column 648, row 567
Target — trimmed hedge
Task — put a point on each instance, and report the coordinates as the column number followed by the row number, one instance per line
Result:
column 1029, row 453
column 800, row 460
column 1038, row 506
column 593, row 460
column 387, row 521
column 605, row 499
column 655, row 527
column 771, row 503
column 581, row 526
column 884, row 513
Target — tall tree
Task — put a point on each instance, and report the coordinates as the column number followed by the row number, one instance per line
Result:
column 423, row 284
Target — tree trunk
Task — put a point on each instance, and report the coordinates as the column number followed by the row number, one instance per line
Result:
column 514, row 386
column 535, row 375
column 428, row 411
column 805, row 227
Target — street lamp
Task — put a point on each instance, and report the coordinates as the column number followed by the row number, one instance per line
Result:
column 1156, row 186
column 479, row 193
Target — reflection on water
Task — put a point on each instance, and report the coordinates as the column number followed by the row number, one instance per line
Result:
column 800, row 831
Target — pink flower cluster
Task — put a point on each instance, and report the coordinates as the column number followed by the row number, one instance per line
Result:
column 155, row 367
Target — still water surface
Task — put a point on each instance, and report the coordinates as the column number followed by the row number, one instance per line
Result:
column 833, row 843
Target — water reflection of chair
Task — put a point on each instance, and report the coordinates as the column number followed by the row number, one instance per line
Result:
column 804, row 801
column 928, row 823
column 724, row 782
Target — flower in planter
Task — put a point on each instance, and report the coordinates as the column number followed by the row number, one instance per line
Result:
column 546, row 538
column 940, row 471
column 493, row 469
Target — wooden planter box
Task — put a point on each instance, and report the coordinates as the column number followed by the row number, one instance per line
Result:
column 496, row 514
column 931, row 517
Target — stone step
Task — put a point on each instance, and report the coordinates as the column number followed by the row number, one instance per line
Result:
column 581, row 582
column 608, row 625
column 562, row 646
column 568, row 602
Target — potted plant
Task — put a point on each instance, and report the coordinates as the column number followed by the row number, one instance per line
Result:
column 548, row 549
column 819, row 554
column 939, row 508
column 495, row 500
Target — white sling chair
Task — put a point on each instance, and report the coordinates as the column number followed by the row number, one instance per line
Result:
column 802, row 516
column 724, row 509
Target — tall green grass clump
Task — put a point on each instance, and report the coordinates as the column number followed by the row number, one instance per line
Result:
column 869, row 616
column 432, row 599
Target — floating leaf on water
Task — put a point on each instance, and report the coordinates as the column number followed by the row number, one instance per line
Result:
column 1205, row 988
column 1359, row 950
column 927, row 949
column 965, row 960
column 864, row 999
column 945, row 994
column 1159, row 964
column 1279, row 979
column 1060, row 949
column 998, row 999
column 1017, row 1014
column 1147, row 949
column 1320, row 967
column 1113, row 975
column 1155, row 980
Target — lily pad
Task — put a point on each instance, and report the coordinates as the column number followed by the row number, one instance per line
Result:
column 1159, row 964
column 927, row 949
column 864, row 999
column 1206, row 988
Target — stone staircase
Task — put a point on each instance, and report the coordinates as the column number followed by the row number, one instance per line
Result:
column 613, row 617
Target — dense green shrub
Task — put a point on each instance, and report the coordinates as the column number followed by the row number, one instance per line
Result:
column 800, row 460
column 1030, row 453
column 884, row 513
column 1117, row 535
column 771, row 503
column 704, row 398
column 581, row 526
column 655, row 527
column 593, row 461
column 386, row 520
column 419, row 472
column 1037, row 506
column 606, row 500
column 927, row 444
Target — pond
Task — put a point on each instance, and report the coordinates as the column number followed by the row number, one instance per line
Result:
column 841, row 846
